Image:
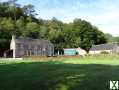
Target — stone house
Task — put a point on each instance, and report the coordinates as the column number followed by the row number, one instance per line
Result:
column 110, row 48
column 31, row 47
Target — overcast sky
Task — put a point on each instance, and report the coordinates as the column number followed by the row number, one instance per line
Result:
column 102, row 13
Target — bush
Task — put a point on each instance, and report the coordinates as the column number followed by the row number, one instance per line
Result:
column 104, row 52
column 76, row 53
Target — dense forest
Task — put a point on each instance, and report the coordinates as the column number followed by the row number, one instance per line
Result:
column 22, row 22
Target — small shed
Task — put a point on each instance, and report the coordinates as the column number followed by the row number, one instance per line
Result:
column 81, row 51
column 75, row 51
column 70, row 51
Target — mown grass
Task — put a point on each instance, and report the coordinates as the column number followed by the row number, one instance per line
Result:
column 89, row 73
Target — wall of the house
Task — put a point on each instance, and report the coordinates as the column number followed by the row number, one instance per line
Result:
column 12, row 44
column 50, row 50
column 70, row 51
column 81, row 51
column 115, row 50
column 34, row 50
column 99, row 51
column 19, row 53
column 19, row 50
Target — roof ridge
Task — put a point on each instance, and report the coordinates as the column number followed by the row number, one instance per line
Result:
column 105, row 44
column 30, row 39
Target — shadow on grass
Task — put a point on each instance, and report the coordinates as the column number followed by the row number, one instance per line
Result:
column 56, row 76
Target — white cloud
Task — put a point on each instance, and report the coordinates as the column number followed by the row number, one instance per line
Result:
column 102, row 13
column 108, row 22
column 4, row 0
column 114, row 29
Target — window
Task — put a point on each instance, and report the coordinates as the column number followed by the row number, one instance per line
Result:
column 39, row 47
column 20, row 46
column 26, row 47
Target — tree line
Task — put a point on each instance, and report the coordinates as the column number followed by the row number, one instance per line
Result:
column 22, row 21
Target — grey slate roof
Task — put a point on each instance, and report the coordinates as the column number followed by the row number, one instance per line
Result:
column 109, row 46
column 32, row 41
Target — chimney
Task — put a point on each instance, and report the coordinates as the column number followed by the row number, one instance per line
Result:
column 13, row 46
column 13, row 37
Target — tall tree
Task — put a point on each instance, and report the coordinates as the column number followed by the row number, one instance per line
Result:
column 89, row 34
column 29, row 10
column 80, row 33
column 32, row 30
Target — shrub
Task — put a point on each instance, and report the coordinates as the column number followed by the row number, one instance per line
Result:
column 76, row 53
column 104, row 52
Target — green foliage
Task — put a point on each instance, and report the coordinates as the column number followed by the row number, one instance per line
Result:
column 22, row 22
column 117, row 39
column 32, row 30
column 104, row 52
column 71, row 39
column 4, row 41
column 6, row 24
column 29, row 10
column 88, row 34
column 111, row 39
column 76, row 53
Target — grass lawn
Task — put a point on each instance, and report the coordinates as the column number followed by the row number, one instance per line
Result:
column 90, row 73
